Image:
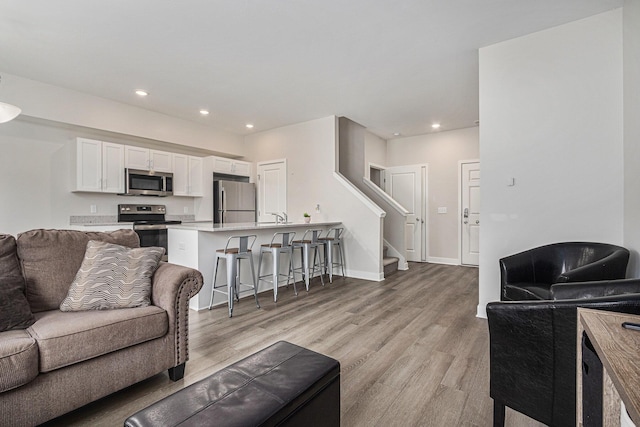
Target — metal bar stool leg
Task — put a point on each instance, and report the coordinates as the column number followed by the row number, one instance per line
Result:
column 213, row 286
column 255, row 283
column 291, row 273
column 328, row 261
column 232, row 269
column 275, row 259
column 305, row 263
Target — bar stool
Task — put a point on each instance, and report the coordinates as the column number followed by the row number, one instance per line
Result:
column 333, row 240
column 280, row 244
column 233, row 255
column 309, row 241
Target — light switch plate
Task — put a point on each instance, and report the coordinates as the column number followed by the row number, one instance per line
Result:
column 442, row 210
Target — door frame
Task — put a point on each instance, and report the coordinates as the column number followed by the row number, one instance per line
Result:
column 459, row 217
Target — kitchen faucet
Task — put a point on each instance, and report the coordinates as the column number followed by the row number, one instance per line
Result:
column 285, row 217
column 278, row 217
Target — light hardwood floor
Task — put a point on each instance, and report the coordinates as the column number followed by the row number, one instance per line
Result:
column 412, row 351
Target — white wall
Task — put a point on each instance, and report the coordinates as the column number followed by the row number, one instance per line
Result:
column 631, row 24
column 551, row 117
column 442, row 151
column 309, row 148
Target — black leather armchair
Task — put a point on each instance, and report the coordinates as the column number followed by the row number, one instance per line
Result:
column 529, row 275
column 533, row 349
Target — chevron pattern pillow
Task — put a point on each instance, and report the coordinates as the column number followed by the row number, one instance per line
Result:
column 113, row 276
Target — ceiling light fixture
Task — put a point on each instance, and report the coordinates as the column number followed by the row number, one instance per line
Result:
column 140, row 92
column 8, row 112
column 436, row 125
column 396, row 134
column 204, row 112
column 249, row 126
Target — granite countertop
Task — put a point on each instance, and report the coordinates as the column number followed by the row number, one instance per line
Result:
column 210, row 227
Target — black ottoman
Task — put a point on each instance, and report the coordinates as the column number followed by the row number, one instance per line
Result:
column 282, row 385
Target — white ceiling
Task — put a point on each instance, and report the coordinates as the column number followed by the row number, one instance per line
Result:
column 392, row 66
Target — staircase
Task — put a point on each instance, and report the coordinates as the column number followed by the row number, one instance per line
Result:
column 390, row 263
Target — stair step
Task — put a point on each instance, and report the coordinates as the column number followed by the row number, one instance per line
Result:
column 390, row 265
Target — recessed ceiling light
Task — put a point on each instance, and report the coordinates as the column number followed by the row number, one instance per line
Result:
column 140, row 92
column 436, row 125
column 396, row 134
column 204, row 112
column 249, row 126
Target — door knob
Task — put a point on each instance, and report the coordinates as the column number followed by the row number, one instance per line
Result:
column 478, row 221
column 466, row 222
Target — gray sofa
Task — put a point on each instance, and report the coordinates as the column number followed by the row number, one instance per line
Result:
column 65, row 360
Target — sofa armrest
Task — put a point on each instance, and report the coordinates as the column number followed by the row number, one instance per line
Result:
column 516, row 268
column 611, row 267
column 594, row 289
column 172, row 287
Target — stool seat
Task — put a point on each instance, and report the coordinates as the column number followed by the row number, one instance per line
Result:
column 231, row 251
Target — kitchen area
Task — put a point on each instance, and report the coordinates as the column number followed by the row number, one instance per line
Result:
column 155, row 180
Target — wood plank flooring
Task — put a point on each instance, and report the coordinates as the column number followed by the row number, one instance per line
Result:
column 412, row 351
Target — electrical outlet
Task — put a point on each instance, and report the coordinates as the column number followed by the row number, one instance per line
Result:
column 318, row 208
column 186, row 209
column 182, row 246
column 442, row 210
column 93, row 208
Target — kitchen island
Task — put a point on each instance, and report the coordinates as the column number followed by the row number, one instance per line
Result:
column 194, row 245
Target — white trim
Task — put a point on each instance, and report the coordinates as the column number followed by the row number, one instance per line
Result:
column 481, row 312
column 365, row 275
column 397, row 206
column 441, row 260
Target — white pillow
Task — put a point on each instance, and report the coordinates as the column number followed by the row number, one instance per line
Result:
column 113, row 276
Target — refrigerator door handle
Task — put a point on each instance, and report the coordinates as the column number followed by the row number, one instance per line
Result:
column 224, row 205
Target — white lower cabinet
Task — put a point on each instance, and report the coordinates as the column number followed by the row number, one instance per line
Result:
column 99, row 166
column 187, row 176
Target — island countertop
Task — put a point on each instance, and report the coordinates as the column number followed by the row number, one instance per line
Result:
column 209, row 226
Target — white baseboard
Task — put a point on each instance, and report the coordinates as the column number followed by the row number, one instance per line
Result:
column 481, row 311
column 365, row 275
column 440, row 260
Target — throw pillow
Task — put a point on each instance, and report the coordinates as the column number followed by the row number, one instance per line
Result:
column 113, row 276
column 15, row 312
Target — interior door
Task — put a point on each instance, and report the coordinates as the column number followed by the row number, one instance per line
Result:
column 405, row 185
column 470, row 207
column 272, row 189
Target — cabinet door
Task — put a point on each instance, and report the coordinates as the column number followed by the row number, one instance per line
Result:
column 180, row 175
column 222, row 165
column 161, row 161
column 136, row 157
column 242, row 168
column 88, row 165
column 195, row 177
column 112, row 168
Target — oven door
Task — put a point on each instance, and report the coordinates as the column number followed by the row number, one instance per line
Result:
column 153, row 235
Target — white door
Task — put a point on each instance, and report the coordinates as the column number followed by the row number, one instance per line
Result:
column 405, row 185
column 272, row 189
column 136, row 157
column 195, row 176
column 180, row 175
column 470, row 213
column 112, row 168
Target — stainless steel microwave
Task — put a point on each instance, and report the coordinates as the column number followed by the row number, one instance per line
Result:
column 147, row 183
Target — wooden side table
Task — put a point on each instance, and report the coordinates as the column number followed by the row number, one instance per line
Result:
column 619, row 351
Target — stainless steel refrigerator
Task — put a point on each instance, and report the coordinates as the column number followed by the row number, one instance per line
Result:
column 233, row 202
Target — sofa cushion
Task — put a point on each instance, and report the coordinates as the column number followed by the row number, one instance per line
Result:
column 50, row 260
column 14, row 308
column 65, row 338
column 526, row 291
column 18, row 359
column 113, row 276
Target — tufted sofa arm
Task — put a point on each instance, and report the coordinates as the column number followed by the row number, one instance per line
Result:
column 172, row 287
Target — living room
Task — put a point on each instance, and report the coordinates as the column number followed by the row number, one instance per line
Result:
column 557, row 113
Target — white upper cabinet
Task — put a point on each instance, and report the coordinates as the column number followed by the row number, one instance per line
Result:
column 231, row 167
column 146, row 159
column 187, row 176
column 99, row 166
